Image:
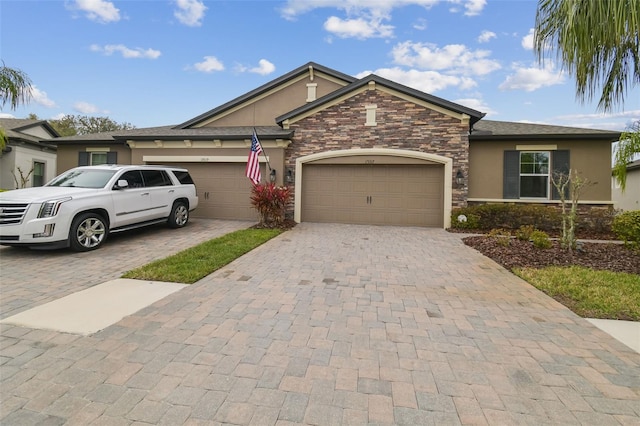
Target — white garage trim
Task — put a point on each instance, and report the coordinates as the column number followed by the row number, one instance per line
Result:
column 447, row 162
column 199, row 159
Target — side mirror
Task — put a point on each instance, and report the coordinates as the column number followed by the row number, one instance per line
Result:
column 122, row 184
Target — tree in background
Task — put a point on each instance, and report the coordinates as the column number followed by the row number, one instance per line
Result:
column 598, row 42
column 71, row 125
column 15, row 88
column 628, row 147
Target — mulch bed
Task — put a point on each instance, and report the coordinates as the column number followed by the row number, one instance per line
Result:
column 522, row 254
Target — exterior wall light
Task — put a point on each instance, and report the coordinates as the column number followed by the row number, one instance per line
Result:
column 459, row 178
column 272, row 175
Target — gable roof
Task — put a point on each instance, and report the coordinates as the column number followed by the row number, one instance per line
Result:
column 17, row 126
column 15, row 132
column 372, row 78
column 265, row 88
column 494, row 130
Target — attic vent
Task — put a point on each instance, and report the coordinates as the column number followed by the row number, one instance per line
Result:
column 311, row 91
column 371, row 115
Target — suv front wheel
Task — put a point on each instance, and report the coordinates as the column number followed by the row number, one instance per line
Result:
column 88, row 232
column 179, row 215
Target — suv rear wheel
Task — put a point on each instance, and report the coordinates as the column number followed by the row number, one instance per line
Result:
column 179, row 215
column 88, row 232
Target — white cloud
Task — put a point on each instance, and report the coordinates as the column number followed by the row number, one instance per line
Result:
column 426, row 81
column 87, row 108
column 477, row 104
column 358, row 28
column 97, row 10
column 363, row 18
column 6, row 115
column 421, row 24
column 126, row 52
column 485, row 36
column 474, row 7
column 209, row 65
column 190, row 12
column 533, row 78
column 41, row 98
column 454, row 58
column 264, row 68
column 527, row 41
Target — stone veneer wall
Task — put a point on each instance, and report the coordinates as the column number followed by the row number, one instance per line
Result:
column 400, row 124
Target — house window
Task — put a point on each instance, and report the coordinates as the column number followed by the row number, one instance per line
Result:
column 534, row 174
column 98, row 158
column 38, row 174
column 528, row 173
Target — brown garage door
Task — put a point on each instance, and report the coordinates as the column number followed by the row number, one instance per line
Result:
column 407, row 195
column 223, row 190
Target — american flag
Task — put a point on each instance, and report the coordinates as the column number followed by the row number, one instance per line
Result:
column 253, row 162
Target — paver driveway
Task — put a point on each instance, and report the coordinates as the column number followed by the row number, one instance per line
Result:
column 332, row 324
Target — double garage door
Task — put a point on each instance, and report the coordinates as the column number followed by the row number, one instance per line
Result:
column 381, row 194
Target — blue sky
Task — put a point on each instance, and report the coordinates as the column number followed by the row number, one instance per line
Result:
column 153, row 63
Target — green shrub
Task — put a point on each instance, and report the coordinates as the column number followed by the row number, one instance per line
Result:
column 626, row 227
column 524, row 232
column 502, row 236
column 485, row 217
column 465, row 221
column 540, row 239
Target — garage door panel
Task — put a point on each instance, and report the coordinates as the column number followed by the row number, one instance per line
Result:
column 373, row 194
column 223, row 190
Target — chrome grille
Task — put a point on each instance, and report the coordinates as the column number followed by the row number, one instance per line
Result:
column 12, row 213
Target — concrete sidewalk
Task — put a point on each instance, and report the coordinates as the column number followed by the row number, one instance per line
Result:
column 332, row 324
column 628, row 332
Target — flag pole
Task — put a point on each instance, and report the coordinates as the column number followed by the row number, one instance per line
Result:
column 262, row 149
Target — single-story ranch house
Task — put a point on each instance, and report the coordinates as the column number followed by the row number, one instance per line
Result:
column 362, row 151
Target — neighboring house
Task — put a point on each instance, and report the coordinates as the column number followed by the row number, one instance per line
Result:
column 630, row 198
column 364, row 151
column 28, row 152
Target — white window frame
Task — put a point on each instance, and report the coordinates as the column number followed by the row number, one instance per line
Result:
column 547, row 175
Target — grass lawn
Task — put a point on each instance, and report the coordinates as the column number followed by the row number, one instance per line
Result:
column 587, row 292
column 195, row 263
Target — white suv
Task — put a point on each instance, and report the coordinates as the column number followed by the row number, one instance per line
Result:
column 79, row 208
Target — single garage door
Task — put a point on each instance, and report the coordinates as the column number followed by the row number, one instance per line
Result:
column 391, row 194
column 223, row 190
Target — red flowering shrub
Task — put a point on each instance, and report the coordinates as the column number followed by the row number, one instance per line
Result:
column 270, row 200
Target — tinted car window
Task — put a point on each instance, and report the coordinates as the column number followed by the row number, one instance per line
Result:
column 183, row 177
column 82, row 178
column 155, row 178
column 134, row 178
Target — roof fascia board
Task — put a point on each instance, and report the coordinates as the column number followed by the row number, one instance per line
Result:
column 544, row 137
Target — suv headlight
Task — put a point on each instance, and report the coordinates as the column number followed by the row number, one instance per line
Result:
column 50, row 208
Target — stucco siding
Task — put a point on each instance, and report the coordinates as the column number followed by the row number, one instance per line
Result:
column 22, row 157
column 630, row 198
column 262, row 111
column 592, row 160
